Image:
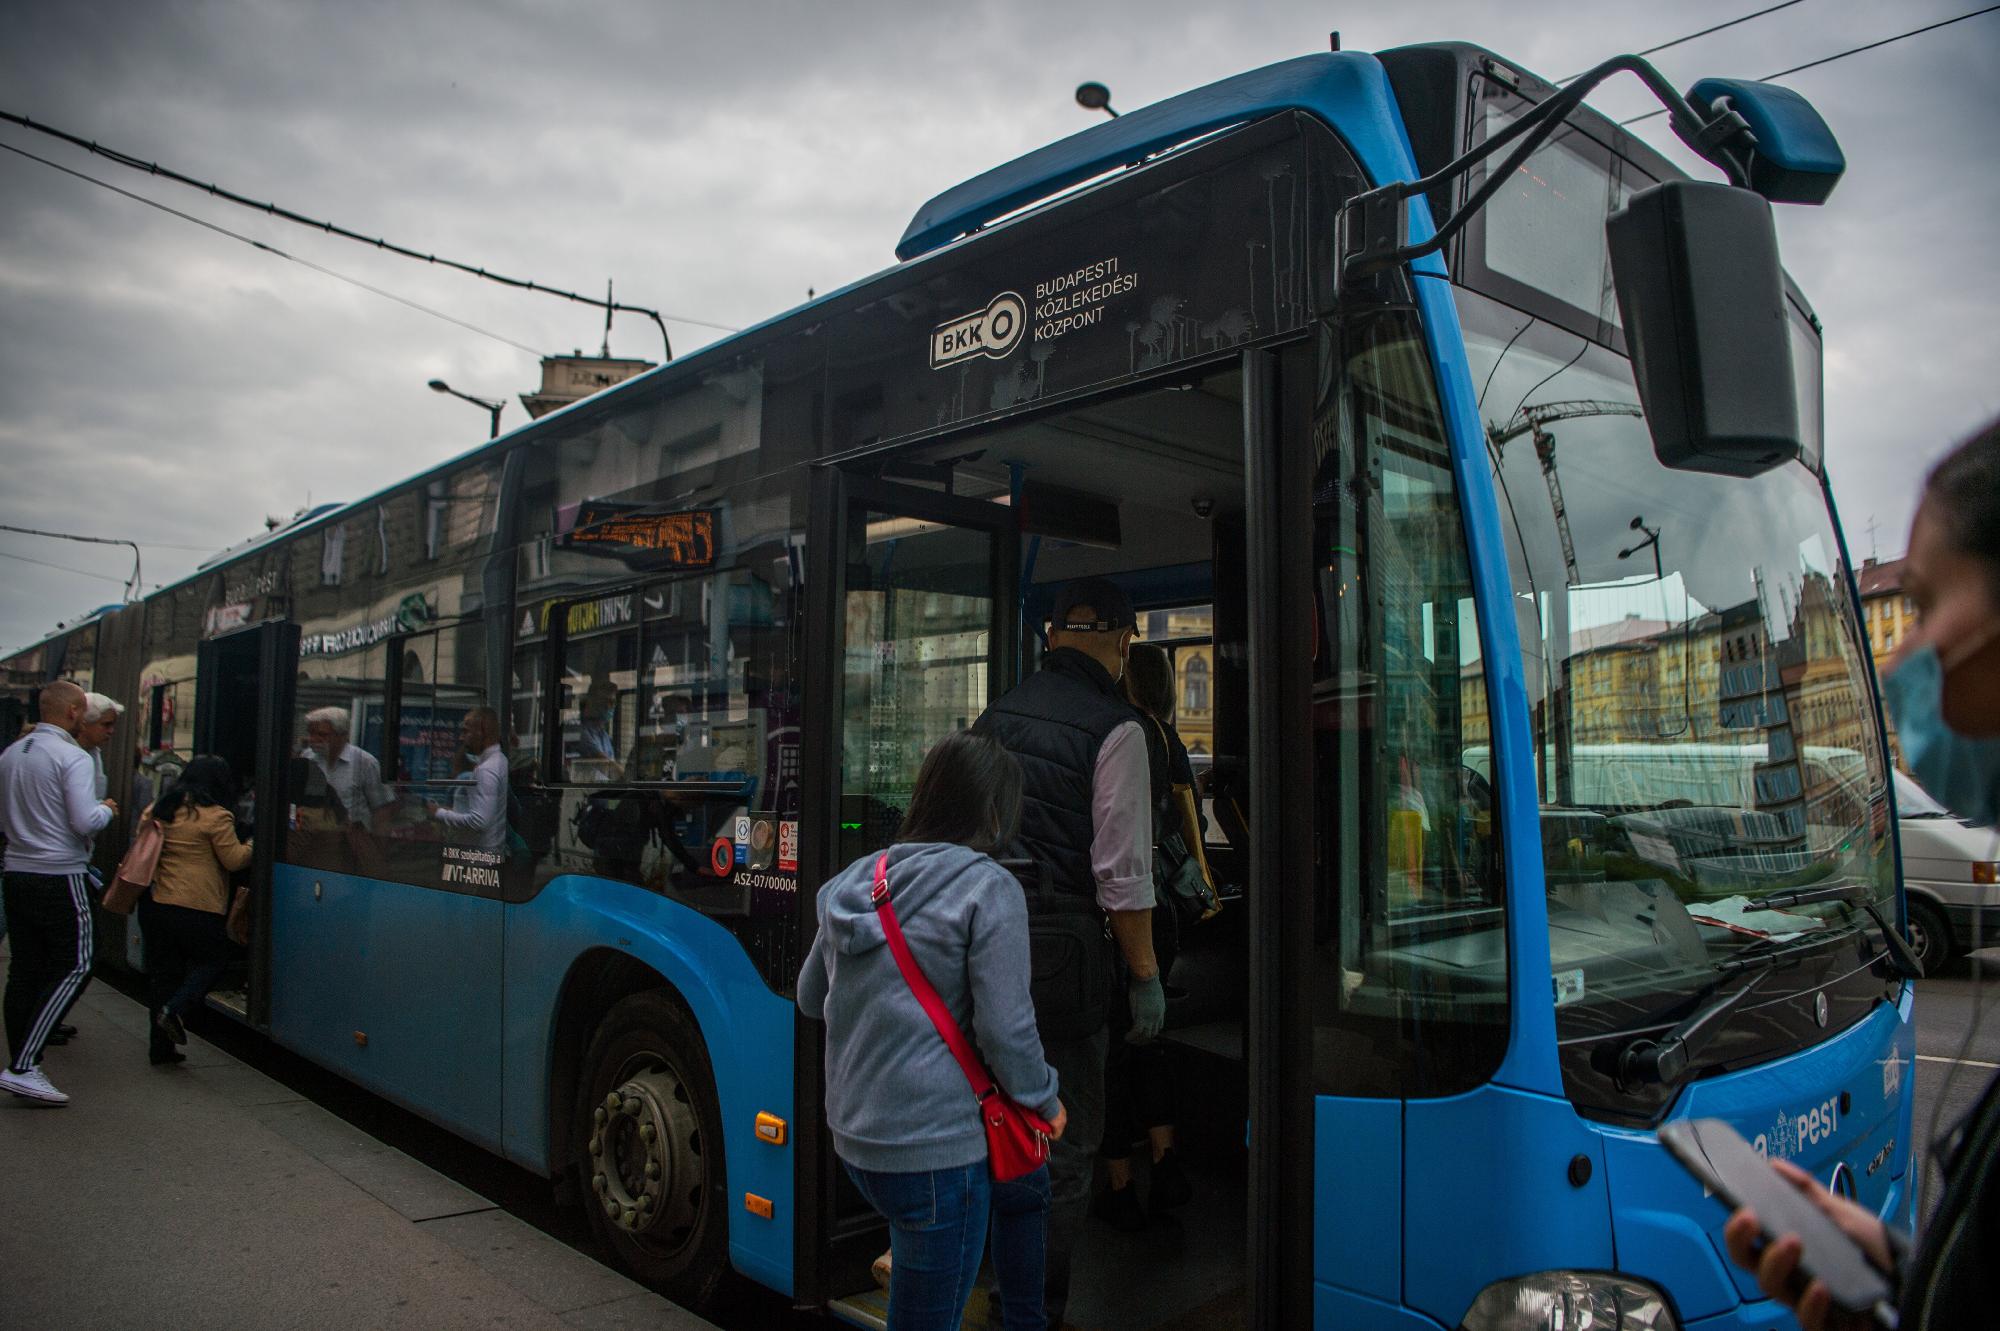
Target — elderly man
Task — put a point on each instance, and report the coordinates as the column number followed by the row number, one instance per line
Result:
column 100, row 722
column 49, row 811
column 352, row 771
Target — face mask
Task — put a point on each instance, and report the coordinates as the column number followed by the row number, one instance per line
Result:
column 1963, row 774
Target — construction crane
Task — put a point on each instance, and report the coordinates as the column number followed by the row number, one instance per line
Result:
column 1533, row 420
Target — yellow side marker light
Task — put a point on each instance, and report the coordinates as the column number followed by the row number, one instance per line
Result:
column 770, row 1128
column 757, row 1206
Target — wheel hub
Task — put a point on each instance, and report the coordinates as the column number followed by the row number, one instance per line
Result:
column 645, row 1157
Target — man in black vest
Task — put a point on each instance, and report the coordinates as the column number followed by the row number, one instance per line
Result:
column 1087, row 817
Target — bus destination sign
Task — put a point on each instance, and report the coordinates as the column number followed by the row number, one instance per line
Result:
column 681, row 540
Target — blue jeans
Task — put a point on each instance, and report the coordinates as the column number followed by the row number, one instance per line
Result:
column 938, row 1220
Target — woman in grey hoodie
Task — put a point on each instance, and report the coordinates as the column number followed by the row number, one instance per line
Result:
column 904, row 1119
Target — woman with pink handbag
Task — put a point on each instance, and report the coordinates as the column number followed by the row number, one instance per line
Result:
column 182, row 916
column 922, row 954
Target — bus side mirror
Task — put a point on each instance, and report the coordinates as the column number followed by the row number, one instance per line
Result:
column 1794, row 157
column 1703, row 303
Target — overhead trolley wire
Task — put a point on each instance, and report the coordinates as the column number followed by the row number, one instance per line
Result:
column 1772, row 9
column 133, row 584
column 274, row 210
column 254, row 243
column 1842, row 55
column 100, row 540
column 62, row 568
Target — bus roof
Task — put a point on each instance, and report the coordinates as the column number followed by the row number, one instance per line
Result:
column 1349, row 90
column 1126, row 141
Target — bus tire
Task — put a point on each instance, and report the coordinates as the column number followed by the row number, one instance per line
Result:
column 1930, row 935
column 647, row 1142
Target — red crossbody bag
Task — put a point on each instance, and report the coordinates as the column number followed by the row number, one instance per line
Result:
column 1017, row 1138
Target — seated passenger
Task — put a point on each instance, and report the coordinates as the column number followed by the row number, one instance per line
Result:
column 593, row 753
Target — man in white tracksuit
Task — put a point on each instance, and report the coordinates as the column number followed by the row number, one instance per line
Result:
column 50, row 813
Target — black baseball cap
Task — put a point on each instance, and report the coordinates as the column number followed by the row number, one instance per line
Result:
column 1108, row 606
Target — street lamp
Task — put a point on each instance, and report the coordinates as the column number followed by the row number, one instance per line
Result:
column 440, row 386
column 1652, row 539
column 1095, row 97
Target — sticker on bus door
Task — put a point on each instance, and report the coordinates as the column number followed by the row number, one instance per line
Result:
column 1569, row 986
column 763, row 840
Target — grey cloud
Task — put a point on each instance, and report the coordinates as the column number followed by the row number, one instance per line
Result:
column 717, row 160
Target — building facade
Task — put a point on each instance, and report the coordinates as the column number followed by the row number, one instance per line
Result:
column 1888, row 615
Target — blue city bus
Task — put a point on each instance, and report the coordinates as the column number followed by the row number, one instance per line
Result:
column 1543, row 760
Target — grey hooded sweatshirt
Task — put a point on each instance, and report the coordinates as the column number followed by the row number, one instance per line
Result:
column 895, row 1097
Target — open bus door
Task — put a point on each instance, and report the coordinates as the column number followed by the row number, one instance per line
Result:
column 913, row 618
column 913, row 625
column 243, row 714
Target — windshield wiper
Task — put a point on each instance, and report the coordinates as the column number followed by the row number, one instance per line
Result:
column 1902, row 960
column 1646, row 1060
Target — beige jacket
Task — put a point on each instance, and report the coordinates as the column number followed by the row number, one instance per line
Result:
column 197, row 857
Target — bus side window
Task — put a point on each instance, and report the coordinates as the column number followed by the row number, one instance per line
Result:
column 1410, row 994
column 443, row 676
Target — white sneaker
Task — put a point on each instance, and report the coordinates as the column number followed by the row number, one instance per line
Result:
column 34, row 1084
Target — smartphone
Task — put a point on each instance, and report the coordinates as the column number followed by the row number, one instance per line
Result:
column 1730, row 1167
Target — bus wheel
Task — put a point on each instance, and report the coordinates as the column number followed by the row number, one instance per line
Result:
column 649, row 1148
column 1930, row 935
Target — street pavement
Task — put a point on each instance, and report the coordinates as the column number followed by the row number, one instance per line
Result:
column 1954, row 1060
column 211, row 1195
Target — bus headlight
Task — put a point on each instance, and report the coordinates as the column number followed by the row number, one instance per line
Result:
column 1570, row 1301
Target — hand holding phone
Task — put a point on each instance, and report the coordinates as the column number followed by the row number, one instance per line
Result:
column 1821, row 1255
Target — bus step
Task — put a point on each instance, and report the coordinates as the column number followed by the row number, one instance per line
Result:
column 231, row 1003
column 872, row 1310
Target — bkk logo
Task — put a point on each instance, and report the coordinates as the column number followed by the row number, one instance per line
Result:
column 993, row 331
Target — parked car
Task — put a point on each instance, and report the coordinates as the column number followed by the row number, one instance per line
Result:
column 1951, row 873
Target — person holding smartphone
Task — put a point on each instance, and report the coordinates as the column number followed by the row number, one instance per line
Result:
column 1943, row 689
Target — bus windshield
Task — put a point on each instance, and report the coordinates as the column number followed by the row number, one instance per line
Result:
column 1697, row 686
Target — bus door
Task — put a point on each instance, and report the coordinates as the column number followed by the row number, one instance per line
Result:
column 242, row 714
column 912, row 624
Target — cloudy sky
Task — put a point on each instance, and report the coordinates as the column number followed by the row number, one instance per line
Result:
column 164, row 383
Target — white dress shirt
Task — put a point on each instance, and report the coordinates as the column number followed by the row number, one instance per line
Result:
column 1121, row 809
column 357, row 778
column 480, row 806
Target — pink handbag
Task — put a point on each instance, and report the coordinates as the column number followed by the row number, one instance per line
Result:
column 1017, row 1138
column 135, row 871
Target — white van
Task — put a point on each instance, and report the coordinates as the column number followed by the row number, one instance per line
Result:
column 1951, row 875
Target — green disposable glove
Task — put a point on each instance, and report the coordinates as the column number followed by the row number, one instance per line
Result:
column 1149, row 1008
